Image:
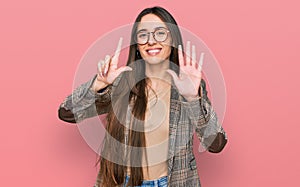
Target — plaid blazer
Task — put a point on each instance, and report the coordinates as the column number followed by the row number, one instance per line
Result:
column 185, row 119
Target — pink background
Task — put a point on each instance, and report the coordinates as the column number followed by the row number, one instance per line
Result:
column 256, row 43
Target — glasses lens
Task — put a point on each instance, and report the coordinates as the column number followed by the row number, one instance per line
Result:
column 142, row 37
column 161, row 35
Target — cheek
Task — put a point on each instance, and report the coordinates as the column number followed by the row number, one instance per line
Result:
column 168, row 47
column 139, row 48
column 143, row 53
column 168, row 50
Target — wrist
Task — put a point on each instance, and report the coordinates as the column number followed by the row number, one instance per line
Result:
column 102, row 90
column 98, row 86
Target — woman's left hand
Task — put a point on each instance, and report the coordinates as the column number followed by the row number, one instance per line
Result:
column 190, row 75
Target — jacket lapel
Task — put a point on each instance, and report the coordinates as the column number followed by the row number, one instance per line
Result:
column 173, row 121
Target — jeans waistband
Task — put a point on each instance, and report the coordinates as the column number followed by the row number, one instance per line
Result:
column 161, row 182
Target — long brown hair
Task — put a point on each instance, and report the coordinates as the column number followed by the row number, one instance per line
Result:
column 131, row 88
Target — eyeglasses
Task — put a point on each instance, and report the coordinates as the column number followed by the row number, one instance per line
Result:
column 159, row 35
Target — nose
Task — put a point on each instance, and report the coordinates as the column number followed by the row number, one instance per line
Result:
column 151, row 39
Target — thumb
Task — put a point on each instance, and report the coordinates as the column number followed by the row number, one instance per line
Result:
column 123, row 68
column 173, row 74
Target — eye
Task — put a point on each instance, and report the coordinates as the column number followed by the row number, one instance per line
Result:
column 142, row 35
column 160, row 33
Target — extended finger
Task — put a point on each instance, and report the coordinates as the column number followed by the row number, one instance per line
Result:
column 201, row 61
column 117, row 52
column 100, row 68
column 180, row 56
column 188, row 53
column 106, row 65
column 193, row 55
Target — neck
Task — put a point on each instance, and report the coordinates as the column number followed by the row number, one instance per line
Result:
column 157, row 73
column 157, row 70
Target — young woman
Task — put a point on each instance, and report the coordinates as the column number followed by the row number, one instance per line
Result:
column 153, row 106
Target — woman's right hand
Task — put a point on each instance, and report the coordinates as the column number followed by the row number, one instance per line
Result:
column 108, row 69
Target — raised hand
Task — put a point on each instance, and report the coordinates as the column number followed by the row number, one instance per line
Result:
column 189, row 78
column 108, row 69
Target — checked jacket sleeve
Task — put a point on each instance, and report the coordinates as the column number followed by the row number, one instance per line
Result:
column 205, row 121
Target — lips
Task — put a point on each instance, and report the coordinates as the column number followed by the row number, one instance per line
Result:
column 153, row 52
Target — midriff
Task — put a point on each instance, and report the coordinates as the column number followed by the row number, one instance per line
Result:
column 156, row 134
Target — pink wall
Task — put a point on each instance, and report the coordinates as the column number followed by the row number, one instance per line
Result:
column 257, row 46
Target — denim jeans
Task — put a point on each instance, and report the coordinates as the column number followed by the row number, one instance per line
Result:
column 161, row 182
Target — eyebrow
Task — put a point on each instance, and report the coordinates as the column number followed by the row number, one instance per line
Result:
column 154, row 29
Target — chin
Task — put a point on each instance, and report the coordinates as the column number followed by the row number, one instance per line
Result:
column 154, row 60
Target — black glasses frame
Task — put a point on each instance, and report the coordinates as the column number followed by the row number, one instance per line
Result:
column 148, row 35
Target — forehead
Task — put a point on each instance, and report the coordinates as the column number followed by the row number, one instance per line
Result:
column 150, row 22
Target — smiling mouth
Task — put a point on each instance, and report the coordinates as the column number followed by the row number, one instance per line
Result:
column 153, row 52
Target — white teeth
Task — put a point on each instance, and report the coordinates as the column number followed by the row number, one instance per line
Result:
column 153, row 51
